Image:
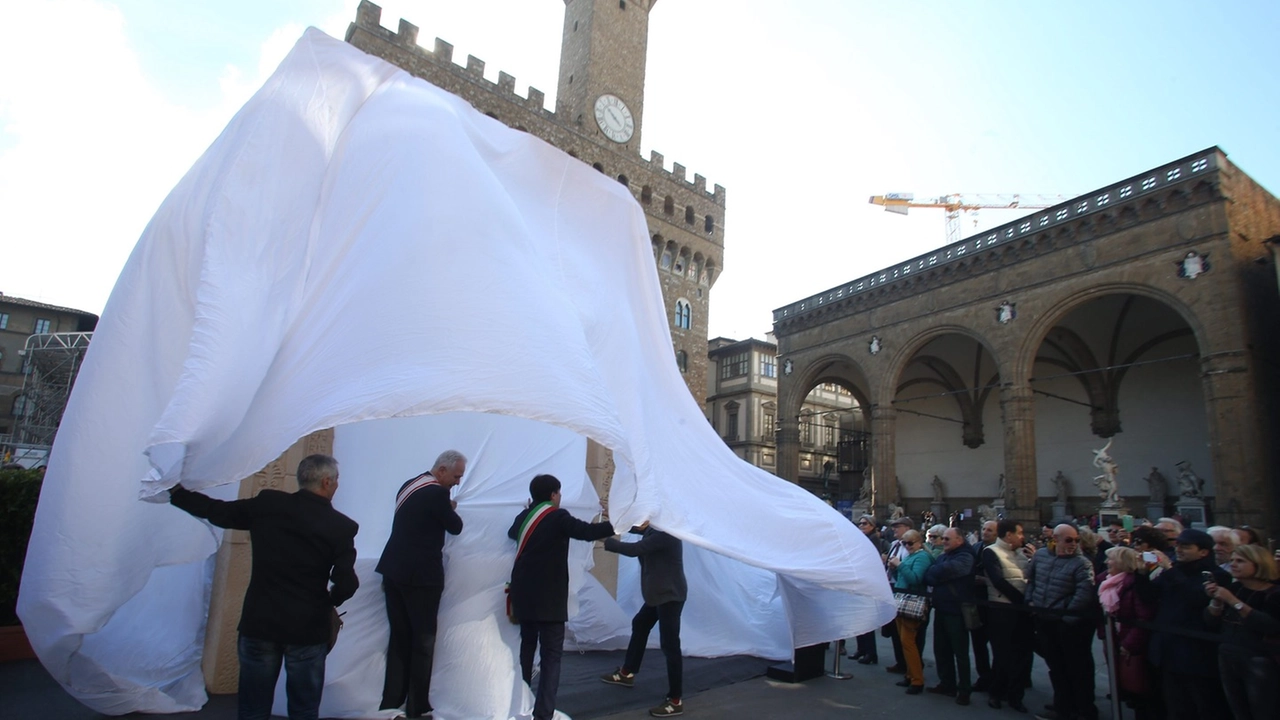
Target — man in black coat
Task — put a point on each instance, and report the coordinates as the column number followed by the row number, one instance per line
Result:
column 1188, row 666
column 951, row 576
column 540, row 583
column 300, row 544
column 664, row 589
column 412, row 567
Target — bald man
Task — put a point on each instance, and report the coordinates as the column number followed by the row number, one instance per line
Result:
column 1061, row 581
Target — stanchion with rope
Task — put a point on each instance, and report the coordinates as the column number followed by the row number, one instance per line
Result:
column 1109, row 653
column 835, row 664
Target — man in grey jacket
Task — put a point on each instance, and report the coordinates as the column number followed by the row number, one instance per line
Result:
column 663, row 587
column 1061, row 581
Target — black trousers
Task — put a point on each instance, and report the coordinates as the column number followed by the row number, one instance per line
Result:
column 667, row 617
column 867, row 645
column 978, row 639
column 1010, row 633
column 411, row 613
column 549, row 636
column 1195, row 697
column 1067, row 648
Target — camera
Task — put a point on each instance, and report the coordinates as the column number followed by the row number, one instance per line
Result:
column 1206, row 577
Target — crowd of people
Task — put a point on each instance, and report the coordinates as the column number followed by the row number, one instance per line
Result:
column 1192, row 616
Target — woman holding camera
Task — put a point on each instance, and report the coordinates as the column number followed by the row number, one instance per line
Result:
column 1120, row 600
column 1248, row 612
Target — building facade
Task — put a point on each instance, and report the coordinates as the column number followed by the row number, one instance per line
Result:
column 598, row 120
column 742, row 405
column 19, row 320
column 1138, row 320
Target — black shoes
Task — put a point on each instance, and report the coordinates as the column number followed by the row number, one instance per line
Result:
column 915, row 689
column 939, row 690
column 1017, row 705
column 962, row 699
column 994, row 703
column 868, row 660
column 904, row 682
column 896, row 670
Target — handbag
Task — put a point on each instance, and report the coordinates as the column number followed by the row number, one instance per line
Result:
column 972, row 620
column 911, row 606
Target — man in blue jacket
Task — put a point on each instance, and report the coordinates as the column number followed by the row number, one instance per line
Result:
column 412, row 568
column 951, row 576
column 540, row 583
column 663, row 587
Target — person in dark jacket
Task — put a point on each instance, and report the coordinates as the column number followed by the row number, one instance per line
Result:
column 1061, row 581
column 412, row 568
column 951, row 576
column 866, row 653
column 1248, row 612
column 1188, row 673
column 664, row 589
column 540, row 583
column 300, row 545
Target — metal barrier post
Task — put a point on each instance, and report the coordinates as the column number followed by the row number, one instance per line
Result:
column 1109, row 654
column 835, row 664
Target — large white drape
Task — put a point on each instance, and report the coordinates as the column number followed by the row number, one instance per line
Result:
column 360, row 245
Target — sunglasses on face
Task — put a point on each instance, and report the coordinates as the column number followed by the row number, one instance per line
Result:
column 1070, row 540
column 909, row 543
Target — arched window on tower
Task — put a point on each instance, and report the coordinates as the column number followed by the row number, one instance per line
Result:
column 709, row 225
column 598, row 167
column 682, row 361
column 623, row 179
column 669, row 205
column 684, row 315
column 688, row 214
column 646, row 195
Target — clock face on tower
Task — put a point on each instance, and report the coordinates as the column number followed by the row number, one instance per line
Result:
column 614, row 118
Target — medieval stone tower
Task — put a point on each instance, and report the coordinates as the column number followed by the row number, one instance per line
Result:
column 597, row 119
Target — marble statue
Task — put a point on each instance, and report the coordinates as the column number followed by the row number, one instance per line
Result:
column 1000, row 491
column 1157, row 487
column 1060, row 485
column 1190, row 485
column 1107, row 482
column 864, row 495
column 937, row 489
column 986, row 512
column 896, row 511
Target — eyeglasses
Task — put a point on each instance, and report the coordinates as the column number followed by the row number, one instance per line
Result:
column 863, row 522
column 1069, row 540
column 909, row 543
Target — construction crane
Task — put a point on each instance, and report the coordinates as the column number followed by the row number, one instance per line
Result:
column 957, row 203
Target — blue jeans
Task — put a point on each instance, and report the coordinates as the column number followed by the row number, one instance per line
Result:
column 549, row 637
column 260, row 668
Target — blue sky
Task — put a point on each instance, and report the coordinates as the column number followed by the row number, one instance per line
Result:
column 800, row 109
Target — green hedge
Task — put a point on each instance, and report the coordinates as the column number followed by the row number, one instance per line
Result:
column 19, row 492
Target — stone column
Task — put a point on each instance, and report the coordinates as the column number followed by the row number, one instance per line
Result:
column 884, row 456
column 1018, row 408
column 233, row 564
column 788, row 459
column 600, row 469
column 1239, row 477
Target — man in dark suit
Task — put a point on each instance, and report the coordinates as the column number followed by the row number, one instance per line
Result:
column 412, row 567
column 540, row 583
column 663, row 587
column 300, row 544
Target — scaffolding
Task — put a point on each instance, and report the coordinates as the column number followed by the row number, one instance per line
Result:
column 51, row 362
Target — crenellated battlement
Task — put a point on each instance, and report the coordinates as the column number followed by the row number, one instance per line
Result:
column 503, row 92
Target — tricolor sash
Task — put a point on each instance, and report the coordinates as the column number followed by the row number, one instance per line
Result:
column 418, row 483
column 535, row 516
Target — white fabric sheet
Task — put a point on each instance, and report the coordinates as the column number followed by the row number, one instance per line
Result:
column 356, row 245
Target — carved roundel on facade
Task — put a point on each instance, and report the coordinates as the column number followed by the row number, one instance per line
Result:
column 874, row 346
column 1193, row 265
column 1006, row 312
